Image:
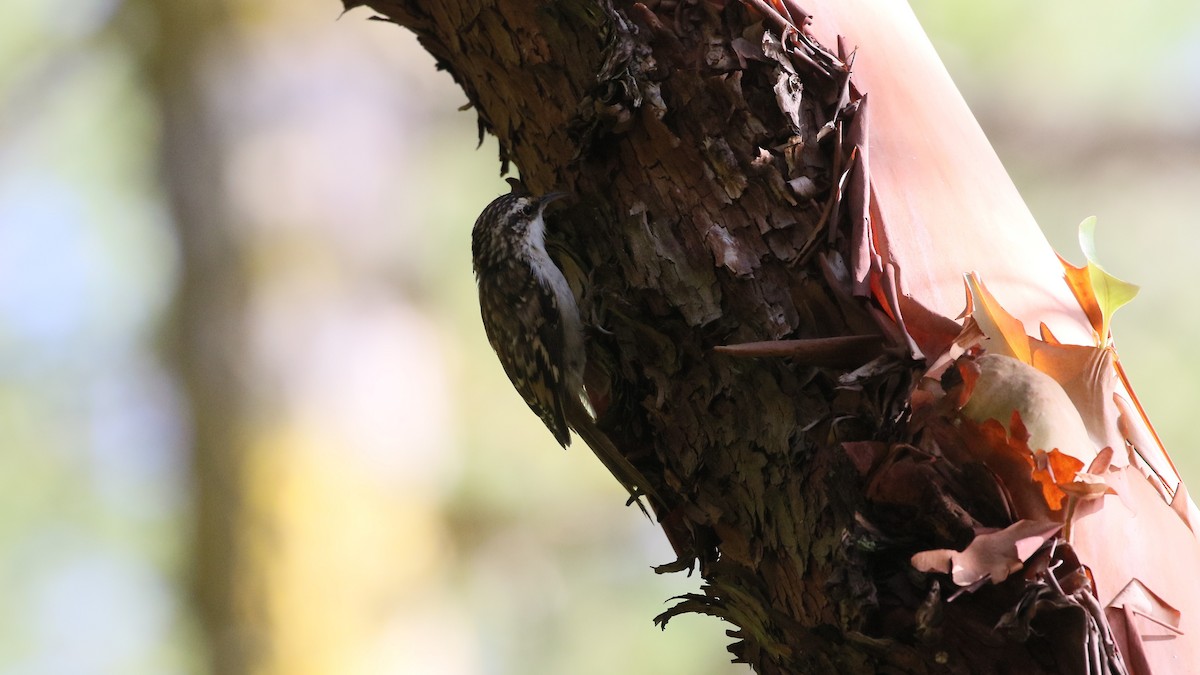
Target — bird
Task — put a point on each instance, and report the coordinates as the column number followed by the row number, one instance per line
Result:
column 532, row 322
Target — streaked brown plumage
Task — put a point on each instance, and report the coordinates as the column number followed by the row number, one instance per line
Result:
column 533, row 324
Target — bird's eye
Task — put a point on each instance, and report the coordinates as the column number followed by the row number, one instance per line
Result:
column 528, row 209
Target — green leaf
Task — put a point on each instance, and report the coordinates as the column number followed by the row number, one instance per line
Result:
column 1111, row 292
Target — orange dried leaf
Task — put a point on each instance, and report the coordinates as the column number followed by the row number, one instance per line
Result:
column 1047, row 336
column 1086, row 375
column 1016, row 428
column 968, row 370
column 1051, row 470
column 998, row 439
column 1050, row 492
column 1061, row 465
column 1081, row 286
column 1007, row 457
column 1006, row 332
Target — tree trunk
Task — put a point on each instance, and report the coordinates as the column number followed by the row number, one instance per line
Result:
column 207, row 333
column 772, row 266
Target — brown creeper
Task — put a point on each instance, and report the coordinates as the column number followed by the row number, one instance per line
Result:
column 532, row 321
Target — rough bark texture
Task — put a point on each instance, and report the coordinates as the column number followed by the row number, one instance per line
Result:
column 709, row 171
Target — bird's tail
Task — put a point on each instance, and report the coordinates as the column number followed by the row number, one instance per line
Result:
column 626, row 474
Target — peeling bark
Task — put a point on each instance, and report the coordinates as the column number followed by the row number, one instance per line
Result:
column 722, row 198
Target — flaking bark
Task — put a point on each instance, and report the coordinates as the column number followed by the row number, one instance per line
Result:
column 714, row 204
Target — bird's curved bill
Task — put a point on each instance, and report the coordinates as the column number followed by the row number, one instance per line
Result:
column 551, row 197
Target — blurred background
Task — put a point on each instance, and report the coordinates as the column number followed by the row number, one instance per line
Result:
column 244, row 226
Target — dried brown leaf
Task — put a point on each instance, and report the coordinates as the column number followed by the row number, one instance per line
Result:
column 1052, row 471
column 1080, row 281
column 1006, row 332
column 1008, row 458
